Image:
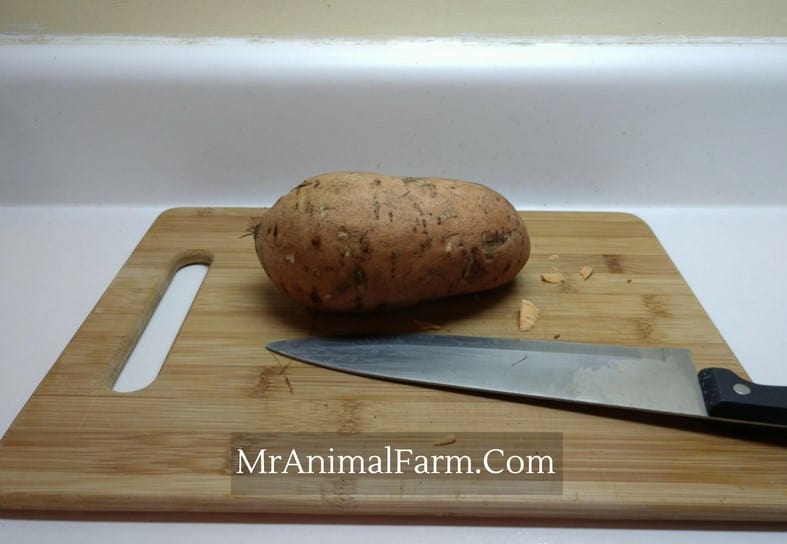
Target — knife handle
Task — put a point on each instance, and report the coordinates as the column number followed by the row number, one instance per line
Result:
column 731, row 397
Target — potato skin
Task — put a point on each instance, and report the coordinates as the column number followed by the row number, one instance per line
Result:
column 356, row 241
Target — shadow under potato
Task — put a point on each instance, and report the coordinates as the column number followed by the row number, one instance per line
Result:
column 430, row 316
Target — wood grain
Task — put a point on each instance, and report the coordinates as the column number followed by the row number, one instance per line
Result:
column 77, row 445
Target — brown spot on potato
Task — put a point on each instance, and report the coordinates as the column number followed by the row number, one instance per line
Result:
column 363, row 243
column 359, row 282
column 344, row 285
column 359, row 278
column 493, row 241
column 314, row 297
column 471, row 266
column 424, row 183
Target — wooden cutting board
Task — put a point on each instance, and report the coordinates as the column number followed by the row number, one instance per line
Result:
column 78, row 445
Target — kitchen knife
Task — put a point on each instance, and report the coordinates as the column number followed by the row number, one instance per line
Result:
column 662, row 380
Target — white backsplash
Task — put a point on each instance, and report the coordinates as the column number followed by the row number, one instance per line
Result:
column 238, row 122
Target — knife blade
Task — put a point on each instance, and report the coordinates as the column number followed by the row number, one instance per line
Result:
column 650, row 379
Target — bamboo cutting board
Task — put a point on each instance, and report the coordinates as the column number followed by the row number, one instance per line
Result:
column 78, row 445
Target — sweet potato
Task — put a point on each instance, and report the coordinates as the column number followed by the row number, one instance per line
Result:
column 354, row 241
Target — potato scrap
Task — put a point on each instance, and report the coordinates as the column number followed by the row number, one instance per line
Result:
column 528, row 315
column 586, row 272
column 554, row 257
column 552, row 277
column 445, row 440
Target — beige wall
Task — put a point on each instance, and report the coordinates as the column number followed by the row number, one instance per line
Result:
column 374, row 18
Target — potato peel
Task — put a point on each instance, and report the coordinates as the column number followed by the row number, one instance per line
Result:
column 528, row 315
column 552, row 277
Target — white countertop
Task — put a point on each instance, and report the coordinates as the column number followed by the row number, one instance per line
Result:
column 91, row 157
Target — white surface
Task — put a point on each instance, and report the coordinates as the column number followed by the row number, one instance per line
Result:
column 97, row 137
column 237, row 122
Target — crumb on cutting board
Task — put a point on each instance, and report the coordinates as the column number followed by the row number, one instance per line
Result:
column 586, row 271
column 554, row 257
column 528, row 315
column 445, row 440
column 552, row 277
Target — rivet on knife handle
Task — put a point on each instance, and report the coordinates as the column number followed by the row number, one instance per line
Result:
column 729, row 396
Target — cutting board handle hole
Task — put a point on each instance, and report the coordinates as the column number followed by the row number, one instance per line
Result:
column 148, row 355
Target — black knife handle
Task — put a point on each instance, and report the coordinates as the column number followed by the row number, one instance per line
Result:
column 729, row 396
